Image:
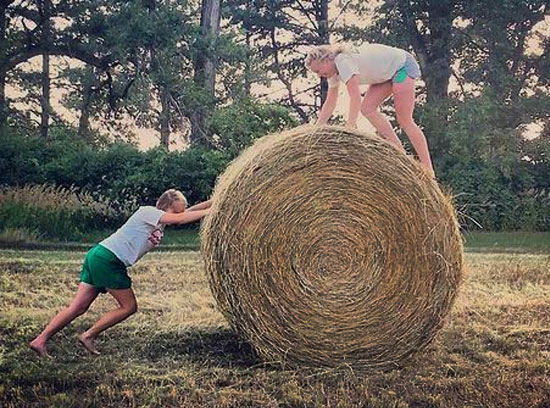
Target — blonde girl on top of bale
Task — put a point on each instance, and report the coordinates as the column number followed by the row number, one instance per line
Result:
column 388, row 71
column 104, row 268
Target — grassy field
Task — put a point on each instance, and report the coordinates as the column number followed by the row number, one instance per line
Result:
column 174, row 239
column 188, row 239
column 178, row 352
column 182, row 237
column 525, row 242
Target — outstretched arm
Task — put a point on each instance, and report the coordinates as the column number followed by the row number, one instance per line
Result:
column 328, row 106
column 201, row 206
column 354, row 101
column 185, row 217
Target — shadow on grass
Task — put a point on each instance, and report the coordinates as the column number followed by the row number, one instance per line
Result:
column 212, row 347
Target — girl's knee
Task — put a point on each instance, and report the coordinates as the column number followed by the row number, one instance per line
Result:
column 405, row 121
column 131, row 309
column 370, row 112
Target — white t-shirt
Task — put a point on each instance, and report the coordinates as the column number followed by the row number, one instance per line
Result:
column 137, row 236
column 373, row 63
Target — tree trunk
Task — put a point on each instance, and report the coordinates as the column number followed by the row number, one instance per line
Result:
column 163, row 92
column 3, row 104
column 205, row 68
column 439, row 71
column 324, row 38
column 205, row 71
column 247, row 69
column 45, row 100
column 165, row 117
column 84, row 132
column 434, row 49
column 3, row 50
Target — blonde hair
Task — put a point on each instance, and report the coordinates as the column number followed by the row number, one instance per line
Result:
column 167, row 198
column 326, row 51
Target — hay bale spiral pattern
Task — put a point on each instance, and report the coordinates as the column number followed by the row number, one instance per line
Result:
column 328, row 247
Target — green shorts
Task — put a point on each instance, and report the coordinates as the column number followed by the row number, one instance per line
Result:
column 400, row 76
column 103, row 270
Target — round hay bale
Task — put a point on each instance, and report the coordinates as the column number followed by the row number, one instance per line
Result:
column 327, row 247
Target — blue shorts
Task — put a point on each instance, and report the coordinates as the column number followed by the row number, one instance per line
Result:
column 409, row 69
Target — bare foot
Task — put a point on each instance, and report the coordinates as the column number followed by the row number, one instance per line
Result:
column 88, row 344
column 39, row 348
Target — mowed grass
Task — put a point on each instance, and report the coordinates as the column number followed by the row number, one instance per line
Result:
column 508, row 241
column 187, row 238
column 173, row 236
column 178, row 352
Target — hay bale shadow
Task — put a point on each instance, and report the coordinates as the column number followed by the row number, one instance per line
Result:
column 214, row 347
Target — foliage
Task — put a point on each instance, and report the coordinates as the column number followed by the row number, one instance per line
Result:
column 236, row 126
column 486, row 87
column 56, row 212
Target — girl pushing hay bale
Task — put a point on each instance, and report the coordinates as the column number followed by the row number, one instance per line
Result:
column 327, row 247
column 105, row 267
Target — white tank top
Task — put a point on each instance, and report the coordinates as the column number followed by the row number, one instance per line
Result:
column 373, row 63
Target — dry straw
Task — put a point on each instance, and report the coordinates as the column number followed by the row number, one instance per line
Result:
column 328, row 247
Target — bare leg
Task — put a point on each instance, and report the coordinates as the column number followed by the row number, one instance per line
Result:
column 376, row 94
column 127, row 307
column 84, row 297
column 403, row 94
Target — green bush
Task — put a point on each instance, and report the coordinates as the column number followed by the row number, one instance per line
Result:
column 54, row 212
column 488, row 199
column 237, row 126
column 118, row 171
column 495, row 187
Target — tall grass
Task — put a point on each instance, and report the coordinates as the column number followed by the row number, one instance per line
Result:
column 56, row 212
